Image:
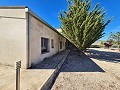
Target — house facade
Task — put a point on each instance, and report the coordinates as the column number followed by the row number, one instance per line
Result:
column 25, row 36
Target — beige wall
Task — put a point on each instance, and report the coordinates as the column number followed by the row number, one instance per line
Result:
column 38, row 30
column 63, row 42
column 13, row 36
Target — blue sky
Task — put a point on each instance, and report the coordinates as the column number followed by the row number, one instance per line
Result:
column 49, row 11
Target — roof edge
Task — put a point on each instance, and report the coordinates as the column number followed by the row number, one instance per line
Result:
column 13, row 7
column 28, row 10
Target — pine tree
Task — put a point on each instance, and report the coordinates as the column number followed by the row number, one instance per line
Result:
column 82, row 26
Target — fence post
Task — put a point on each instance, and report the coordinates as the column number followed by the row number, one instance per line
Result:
column 18, row 66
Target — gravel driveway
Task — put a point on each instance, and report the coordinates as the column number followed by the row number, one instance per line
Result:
column 83, row 73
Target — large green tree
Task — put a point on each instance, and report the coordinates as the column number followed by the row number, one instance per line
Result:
column 81, row 25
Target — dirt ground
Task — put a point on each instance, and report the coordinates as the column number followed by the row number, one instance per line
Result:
column 100, row 70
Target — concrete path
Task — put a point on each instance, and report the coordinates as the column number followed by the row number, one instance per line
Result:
column 83, row 73
column 31, row 79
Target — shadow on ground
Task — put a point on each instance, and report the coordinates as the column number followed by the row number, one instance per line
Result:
column 76, row 63
column 104, row 56
column 50, row 63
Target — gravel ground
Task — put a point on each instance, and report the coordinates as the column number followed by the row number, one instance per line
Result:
column 104, row 55
column 50, row 63
column 83, row 73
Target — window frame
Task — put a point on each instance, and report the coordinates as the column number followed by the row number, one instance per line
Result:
column 43, row 45
column 61, row 44
column 52, row 43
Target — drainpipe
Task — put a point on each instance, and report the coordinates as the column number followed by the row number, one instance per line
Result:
column 28, row 37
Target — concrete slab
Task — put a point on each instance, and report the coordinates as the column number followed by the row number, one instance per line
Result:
column 31, row 79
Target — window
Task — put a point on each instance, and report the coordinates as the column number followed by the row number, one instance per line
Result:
column 60, row 44
column 44, row 45
column 52, row 43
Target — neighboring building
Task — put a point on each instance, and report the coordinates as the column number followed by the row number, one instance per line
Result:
column 26, row 37
column 59, row 30
column 98, row 42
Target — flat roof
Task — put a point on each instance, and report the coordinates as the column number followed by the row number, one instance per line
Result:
column 33, row 14
column 44, row 22
column 13, row 7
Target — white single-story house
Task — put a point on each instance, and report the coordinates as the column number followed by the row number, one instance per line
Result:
column 25, row 36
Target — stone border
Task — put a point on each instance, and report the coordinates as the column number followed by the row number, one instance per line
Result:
column 50, row 80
